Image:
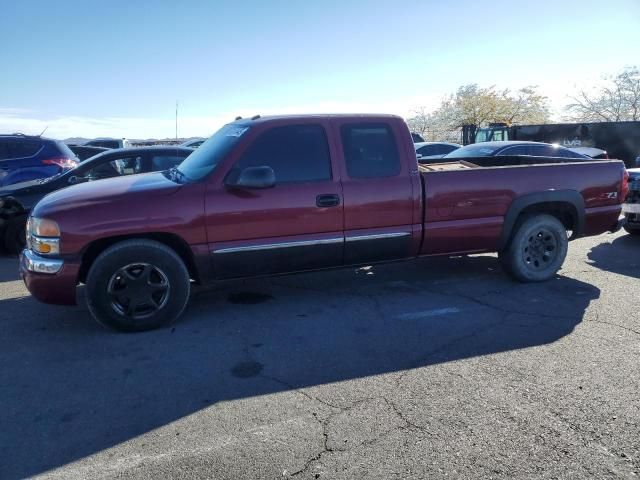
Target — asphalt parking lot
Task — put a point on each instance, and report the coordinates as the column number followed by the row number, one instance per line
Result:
column 440, row 368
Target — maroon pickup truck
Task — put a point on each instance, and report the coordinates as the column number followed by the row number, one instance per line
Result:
column 287, row 194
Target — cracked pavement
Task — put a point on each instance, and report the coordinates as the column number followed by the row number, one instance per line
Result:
column 439, row 368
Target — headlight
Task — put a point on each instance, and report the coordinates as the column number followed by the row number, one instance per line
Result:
column 43, row 227
column 43, row 236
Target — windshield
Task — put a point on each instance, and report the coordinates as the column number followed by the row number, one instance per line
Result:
column 207, row 157
column 478, row 150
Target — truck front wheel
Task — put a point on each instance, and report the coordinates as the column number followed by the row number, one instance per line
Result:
column 137, row 285
column 537, row 249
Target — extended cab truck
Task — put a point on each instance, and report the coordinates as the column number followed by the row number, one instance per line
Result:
column 287, row 194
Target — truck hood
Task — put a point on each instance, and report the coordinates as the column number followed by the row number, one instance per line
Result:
column 101, row 192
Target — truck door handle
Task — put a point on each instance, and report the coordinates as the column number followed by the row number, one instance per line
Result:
column 327, row 200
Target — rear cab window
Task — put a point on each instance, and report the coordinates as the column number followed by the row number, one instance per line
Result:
column 370, row 150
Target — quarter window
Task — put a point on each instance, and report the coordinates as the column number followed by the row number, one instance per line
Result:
column 296, row 153
column 24, row 149
column 370, row 151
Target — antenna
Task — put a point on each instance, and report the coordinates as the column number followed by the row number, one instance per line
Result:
column 45, row 129
column 176, row 121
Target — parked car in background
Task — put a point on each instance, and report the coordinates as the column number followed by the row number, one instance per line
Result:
column 631, row 207
column 108, row 143
column 16, row 201
column 592, row 152
column 515, row 148
column 193, row 143
column 277, row 195
column 433, row 151
column 83, row 152
column 621, row 140
column 24, row 157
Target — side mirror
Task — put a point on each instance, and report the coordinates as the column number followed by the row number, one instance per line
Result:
column 73, row 179
column 252, row 178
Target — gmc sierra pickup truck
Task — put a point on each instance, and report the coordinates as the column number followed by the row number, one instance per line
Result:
column 287, row 194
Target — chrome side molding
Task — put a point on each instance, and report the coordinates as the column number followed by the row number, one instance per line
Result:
column 273, row 246
column 377, row 236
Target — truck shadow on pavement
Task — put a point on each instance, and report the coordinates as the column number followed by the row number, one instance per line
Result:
column 71, row 389
column 621, row 256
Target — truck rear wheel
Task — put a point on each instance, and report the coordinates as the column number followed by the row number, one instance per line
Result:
column 537, row 249
column 137, row 285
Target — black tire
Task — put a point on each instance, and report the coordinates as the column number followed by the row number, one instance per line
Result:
column 14, row 235
column 138, row 271
column 632, row 230
column 536, row 250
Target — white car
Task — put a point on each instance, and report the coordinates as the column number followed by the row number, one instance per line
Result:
column 108, row 143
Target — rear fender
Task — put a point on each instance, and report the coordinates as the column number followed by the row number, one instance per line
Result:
column 544, row 202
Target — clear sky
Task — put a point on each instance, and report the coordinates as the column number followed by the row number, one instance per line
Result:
column 116, row 68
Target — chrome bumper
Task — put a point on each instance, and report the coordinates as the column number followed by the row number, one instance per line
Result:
column 37, row 264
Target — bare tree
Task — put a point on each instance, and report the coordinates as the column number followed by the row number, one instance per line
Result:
column 420, row 121
column 475, row 105
column 617, row 100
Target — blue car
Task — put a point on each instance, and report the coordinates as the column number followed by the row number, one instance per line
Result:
column 24, row 158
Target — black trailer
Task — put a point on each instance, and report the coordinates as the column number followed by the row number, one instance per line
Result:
column 621, row 140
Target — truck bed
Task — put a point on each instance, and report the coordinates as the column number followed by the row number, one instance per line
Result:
column 465, row 204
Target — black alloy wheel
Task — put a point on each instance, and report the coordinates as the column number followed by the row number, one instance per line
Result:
column 540, row 249
column 138, row 290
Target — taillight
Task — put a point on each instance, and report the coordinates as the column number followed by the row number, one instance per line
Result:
column 624, row 188
column 62, row 162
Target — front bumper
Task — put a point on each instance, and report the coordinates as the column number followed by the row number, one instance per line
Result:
column 37, row 264
column 50, row 280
